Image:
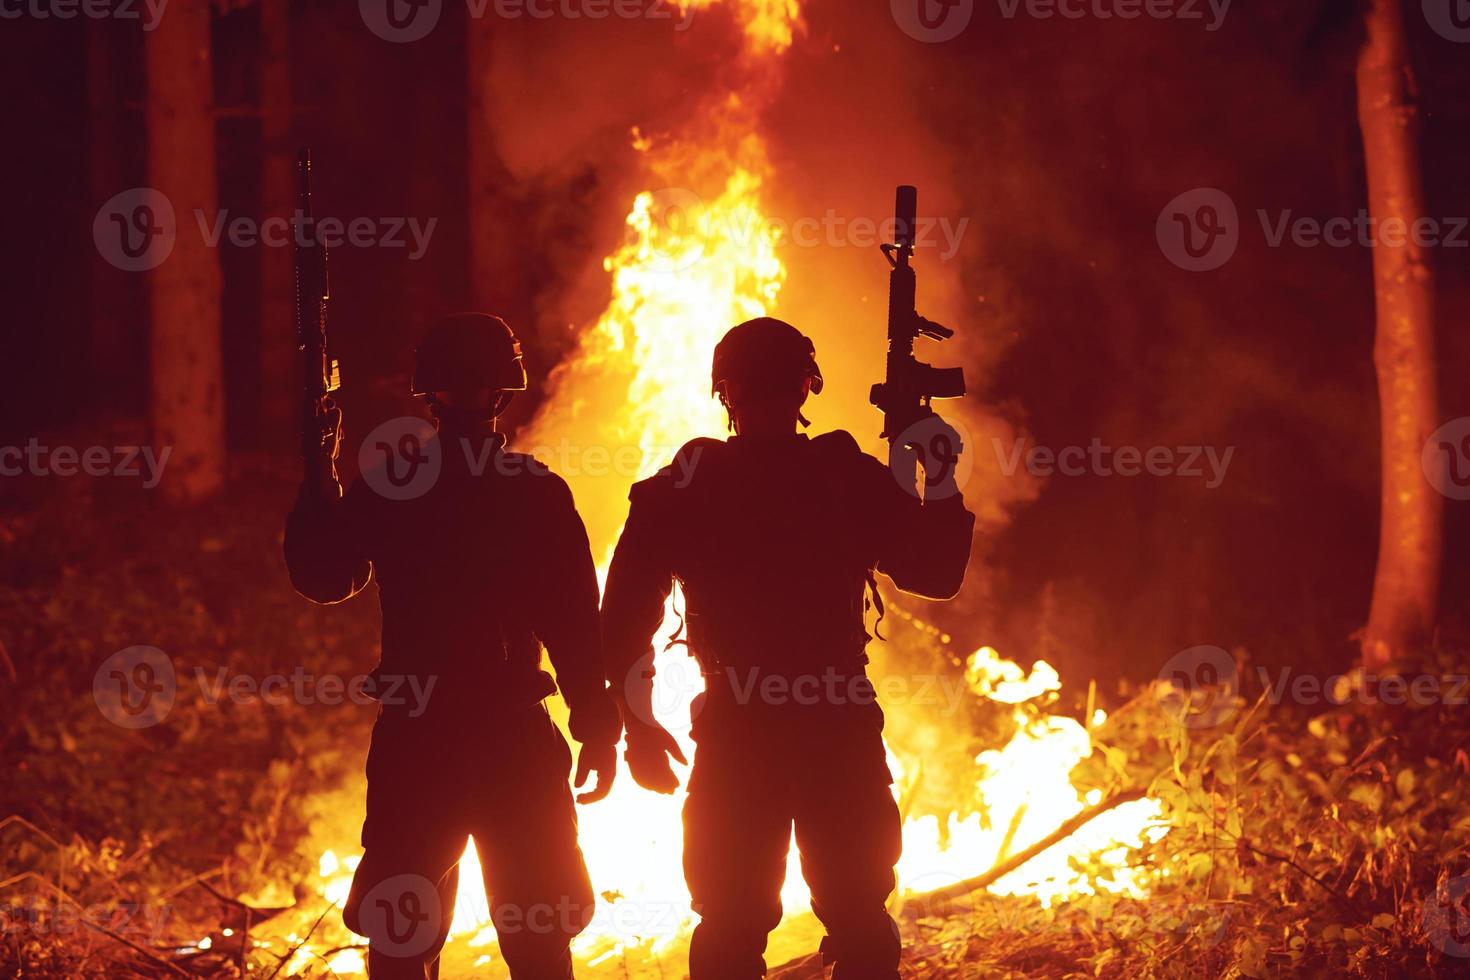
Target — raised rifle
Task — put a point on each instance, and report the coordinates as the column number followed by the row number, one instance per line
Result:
column 909, row 384
column 319, row 372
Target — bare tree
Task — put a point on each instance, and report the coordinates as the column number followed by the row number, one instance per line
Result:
column 277, row 340
column 187, row 385
column 109, row 293
column 1406, row 583
column 483, row 165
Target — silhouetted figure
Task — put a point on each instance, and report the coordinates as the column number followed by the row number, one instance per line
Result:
column 480, row 559
column 774, row 538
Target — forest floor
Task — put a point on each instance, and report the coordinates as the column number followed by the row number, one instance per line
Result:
column 1304, row 840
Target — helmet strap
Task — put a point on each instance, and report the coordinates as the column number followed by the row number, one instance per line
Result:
column 460, row 417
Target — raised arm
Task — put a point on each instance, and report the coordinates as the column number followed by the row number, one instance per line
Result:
column 924, row 545
column 324, row 547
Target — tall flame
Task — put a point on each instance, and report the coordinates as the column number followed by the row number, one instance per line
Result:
column 698, row 258
column 640, row 379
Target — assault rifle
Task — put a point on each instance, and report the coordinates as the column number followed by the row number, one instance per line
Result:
column 319, row 374
column 909, row 384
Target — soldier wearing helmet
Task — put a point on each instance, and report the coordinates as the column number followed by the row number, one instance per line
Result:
column 774, row 538
column 481, row 560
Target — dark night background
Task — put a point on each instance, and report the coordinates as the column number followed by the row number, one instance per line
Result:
column 1060, row 140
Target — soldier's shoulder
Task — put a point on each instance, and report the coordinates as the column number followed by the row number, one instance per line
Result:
column 533, row 476
column 841, row 454
column 691, row 452
column 677, row 473
column 842, row 449
column 514, row 463
column 838, row 442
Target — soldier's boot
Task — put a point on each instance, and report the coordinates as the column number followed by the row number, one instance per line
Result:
column 862, row 947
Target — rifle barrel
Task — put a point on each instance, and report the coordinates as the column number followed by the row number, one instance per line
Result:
column 906, row 211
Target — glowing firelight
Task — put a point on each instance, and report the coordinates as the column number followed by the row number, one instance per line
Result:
column 1027, row 793
column 698, row 258
column 676, row 288
column 679, row 281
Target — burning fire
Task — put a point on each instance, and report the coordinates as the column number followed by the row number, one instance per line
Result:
column 698, row 258
column 632, row 383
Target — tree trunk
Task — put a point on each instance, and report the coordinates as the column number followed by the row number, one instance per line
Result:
column 109, row 352
column 277, row 337
column 187, row 385
column 1406, row 583
column 493, row 246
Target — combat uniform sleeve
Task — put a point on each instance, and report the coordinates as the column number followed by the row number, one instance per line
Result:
column 566, row 622
column 638, row 585
column 924, row 546
column 325, row 548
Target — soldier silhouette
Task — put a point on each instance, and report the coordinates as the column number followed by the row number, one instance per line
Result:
column 774, row 538
column 480, row 559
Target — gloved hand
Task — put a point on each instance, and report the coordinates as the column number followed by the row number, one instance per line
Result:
column 938, row 445
column 323, row 483
column 650, row 747
column 331, row 430
column 600, row 759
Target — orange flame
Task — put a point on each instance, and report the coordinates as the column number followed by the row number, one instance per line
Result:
column 639, row 379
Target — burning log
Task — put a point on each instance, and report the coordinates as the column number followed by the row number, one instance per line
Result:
column 1069, row 827
column 811, row 967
